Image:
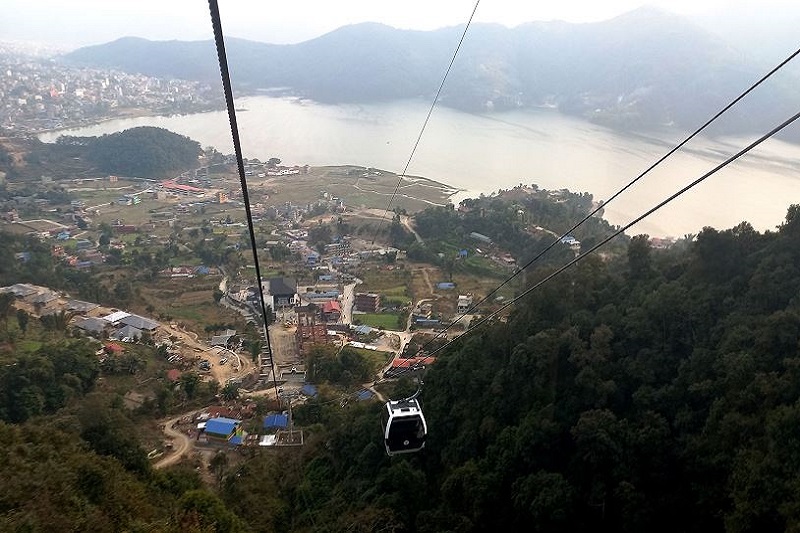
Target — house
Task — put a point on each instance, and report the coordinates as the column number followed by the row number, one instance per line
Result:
column 408, row 366
column 282, row 292
column 331, row 311
column 139, row 322
column 572, row 242
column 464, row 303
column 127, row 334
column 84, row 244
column 91, row 325
column 115, row 317
column 78, row 306
column 364, row 394
column 224, row 339
column 43, row 298
column 367, row 302
column 221, row 429
column 480, row 237
column 20, row 290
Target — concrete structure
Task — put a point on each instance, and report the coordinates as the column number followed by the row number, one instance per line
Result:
column 464, row 303
column 367, row 302
column 282, row 293
column 309, row 332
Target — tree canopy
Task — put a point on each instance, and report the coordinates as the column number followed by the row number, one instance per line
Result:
column 143, row 151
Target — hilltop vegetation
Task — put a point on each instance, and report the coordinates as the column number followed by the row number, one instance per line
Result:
column 144, row 151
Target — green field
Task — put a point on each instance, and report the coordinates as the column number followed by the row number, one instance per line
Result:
column 376, row 358
column 380, row 320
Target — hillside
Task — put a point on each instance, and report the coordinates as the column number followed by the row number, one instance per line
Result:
column 142, row 151
column 641, row 70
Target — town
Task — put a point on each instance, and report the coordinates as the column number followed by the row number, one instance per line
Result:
column 184, row 243
column 40, row 93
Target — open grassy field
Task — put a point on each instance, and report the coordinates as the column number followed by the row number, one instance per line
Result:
column 376, row 358
column 356, row 186
column 381, row 320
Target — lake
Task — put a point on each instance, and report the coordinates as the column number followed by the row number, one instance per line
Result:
column 481, row 153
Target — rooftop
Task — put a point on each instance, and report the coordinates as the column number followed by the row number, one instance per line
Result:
column 139, row 322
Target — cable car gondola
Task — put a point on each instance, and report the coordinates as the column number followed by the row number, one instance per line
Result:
column 404, row 426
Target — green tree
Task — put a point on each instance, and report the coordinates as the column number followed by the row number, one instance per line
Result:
column 230, row 391
column 22, row 320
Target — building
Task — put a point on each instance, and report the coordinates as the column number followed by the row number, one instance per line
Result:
column 127, row 334
column 409, row 366
column 91, row 325
column 367, row 302
column 139, row 322
column 309, row 332
column 221, row 430
column 282, row 293
column 331, row 311
column 480, row 237
column 276, row 421
column 81, row 307
column 223, row 339
column 464, row 303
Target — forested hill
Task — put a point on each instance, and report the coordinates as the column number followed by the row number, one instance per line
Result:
column 659, row 392
column 144, row 151
column 655, row 391
column 643, row 69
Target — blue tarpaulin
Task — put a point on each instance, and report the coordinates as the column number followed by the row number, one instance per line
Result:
column 309, row 390
column 276, row 421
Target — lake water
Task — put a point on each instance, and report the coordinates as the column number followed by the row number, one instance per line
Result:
column 483, row 153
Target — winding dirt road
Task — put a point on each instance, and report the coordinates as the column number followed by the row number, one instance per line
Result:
column 181, row 443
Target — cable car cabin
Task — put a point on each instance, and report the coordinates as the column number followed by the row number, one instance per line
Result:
column 404, row 427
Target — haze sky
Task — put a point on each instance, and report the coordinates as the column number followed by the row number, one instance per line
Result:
column 80, row 22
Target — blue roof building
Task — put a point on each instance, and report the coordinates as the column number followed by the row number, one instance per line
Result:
column 309, row 390
column 221, row 428
column 364, row 395
column 276, row 421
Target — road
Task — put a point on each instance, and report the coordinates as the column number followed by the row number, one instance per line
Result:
column 406, row 222
column 181, row 443
column 195, row 347
column 348, row 300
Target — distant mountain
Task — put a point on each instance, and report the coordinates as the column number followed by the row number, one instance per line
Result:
column 641, row 70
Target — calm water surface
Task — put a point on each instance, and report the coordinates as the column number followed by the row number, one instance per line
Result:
column 482, row 153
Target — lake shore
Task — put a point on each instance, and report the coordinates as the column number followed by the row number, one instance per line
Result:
column 479, row 154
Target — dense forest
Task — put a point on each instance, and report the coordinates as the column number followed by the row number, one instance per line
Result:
column 514, row 220
column 142, row 152
column 656, row 390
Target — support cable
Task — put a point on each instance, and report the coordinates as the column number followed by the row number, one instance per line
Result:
column 219, row 41
column 616, row 194
column 647, row 213
column 427, row 119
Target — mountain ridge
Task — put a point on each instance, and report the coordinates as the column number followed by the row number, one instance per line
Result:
column 641, row 70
